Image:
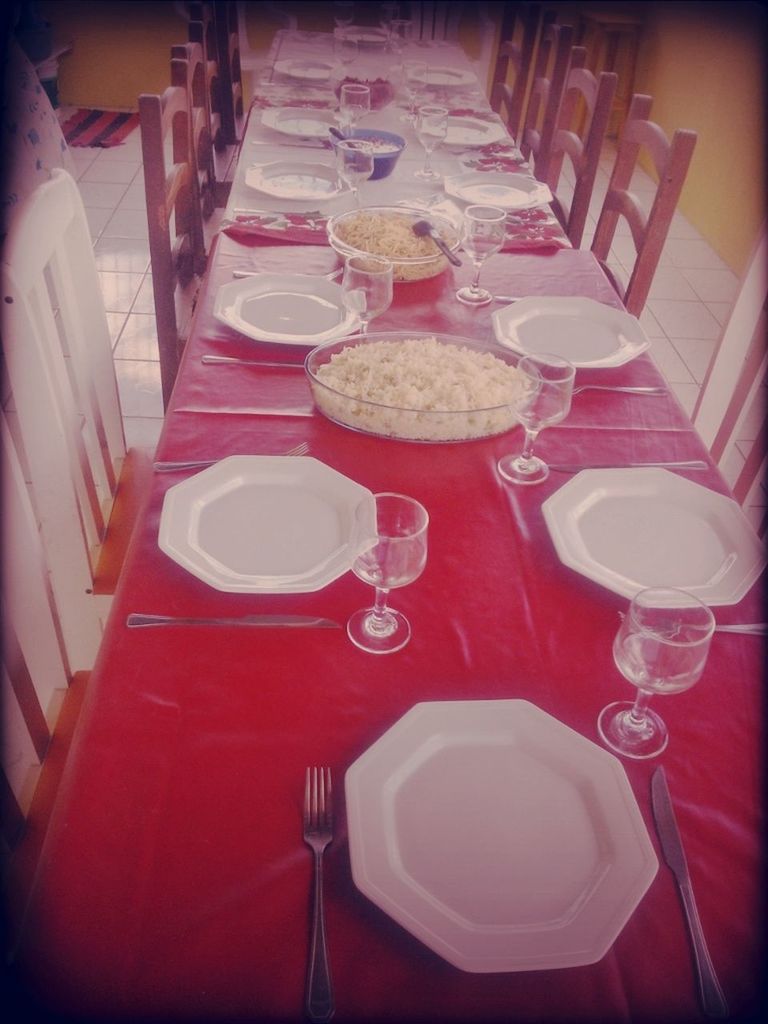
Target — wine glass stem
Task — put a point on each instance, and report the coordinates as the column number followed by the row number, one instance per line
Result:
column 475, row 286
column 530, row 440
column 427, row 161
column 379, row 620
column 637, row 717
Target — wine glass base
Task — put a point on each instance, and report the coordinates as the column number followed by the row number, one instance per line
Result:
column 625, row 737
column 392, row 634
column 517, row 470
column 474, row 296
column 428, row 176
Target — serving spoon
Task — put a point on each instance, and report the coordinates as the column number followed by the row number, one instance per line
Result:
column 423, row 229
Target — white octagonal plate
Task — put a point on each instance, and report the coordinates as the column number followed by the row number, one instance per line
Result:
column 291, row 309
column 499, row 837
column 295, row 180
column 634, row 528
column 267, row 524
column 585, row 332
column 471, row 131
column 307, row 123
column 508, row 191
column 311, row 71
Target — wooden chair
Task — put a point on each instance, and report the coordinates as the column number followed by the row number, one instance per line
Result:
column 188, row 73
column 174, row 218
column 517, row 56
column 202, row 30
column 550, row 73
column 585, row 110
column 734, row 387
column 225, row 18
column 671, row 159
column 439, row 21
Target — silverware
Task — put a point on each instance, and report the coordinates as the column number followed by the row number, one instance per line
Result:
column 139, row 620
column 331, row 276
column 422, row 228
column 624, row 390
column 711, row 995
column 318, row 833
column 507, row 298
column 576, row 467
column 747, row 628
column 169, row 467
column 234, row 361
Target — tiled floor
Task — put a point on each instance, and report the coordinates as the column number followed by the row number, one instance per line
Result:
column 691, row 297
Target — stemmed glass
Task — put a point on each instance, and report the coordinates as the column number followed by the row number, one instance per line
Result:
column 344, row 46
column 354, row 164
column 431, row 128
column 398, row 558
column 661, row 647
column 366, row 287
column 546, row 399
column 400, row 34
column 354, row 102
column 343, row 13
column 415, row 78
column 483, row 234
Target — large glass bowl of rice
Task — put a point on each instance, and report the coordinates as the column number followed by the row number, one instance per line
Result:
column 388, row 231
column 416, row 385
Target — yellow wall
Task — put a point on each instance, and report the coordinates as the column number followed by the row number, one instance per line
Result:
column 702, row 62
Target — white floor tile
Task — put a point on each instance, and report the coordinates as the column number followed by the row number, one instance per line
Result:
column 116, row 172
column 125, row 224
column 119, row 290
column 696, row 353
column 692, row 253
column 718, row 285
column 668, row 360
column 138, row 382
column 138, row 339
column 680, row 319
column 101, row 194
column 142, row 431
column 122, row 254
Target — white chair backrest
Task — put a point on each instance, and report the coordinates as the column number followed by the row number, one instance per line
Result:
column 35, row 664
column 63, row 406
column 734, row 386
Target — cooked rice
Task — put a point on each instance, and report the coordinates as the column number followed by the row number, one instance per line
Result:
column 419, row 389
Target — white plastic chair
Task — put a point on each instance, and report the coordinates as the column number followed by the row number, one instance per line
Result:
column 63, row 408
column 734, row 388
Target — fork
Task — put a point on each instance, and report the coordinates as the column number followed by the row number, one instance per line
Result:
column 318, row 833
column 169, row 467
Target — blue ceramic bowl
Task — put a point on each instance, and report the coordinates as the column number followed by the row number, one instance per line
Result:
column 383, row 162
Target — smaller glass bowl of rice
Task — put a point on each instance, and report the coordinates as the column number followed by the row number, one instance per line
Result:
column 416, row 385
column 388, row 231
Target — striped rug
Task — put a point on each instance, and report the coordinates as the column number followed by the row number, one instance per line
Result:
column 101, row 128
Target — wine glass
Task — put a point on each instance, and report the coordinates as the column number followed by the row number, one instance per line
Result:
column 354, row 164
column 344, row 46
column 546, row 399
column 431, row 128
column 354, row 102
column 483, row 234
column 415, row 78
column 397, row 558
column 400, row 34
column 661, row 647
column 366, row 287
column 343, row 13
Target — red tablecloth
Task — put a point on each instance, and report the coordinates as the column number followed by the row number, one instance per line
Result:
column 174, row 883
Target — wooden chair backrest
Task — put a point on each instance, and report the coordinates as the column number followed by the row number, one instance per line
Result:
column 517, row 55
column 671, row 159
column 174, row 217
column 585, row 111
column 225, row 16
column 552, row 64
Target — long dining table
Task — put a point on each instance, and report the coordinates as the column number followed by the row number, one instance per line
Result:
column 174, row 883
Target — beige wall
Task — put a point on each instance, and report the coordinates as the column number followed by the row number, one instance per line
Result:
column 702, row 62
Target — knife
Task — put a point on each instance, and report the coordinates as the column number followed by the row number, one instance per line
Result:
column 575, row 467
column 712, row 998
column 136, row 619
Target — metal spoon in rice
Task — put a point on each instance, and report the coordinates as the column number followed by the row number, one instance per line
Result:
column 422, row 228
